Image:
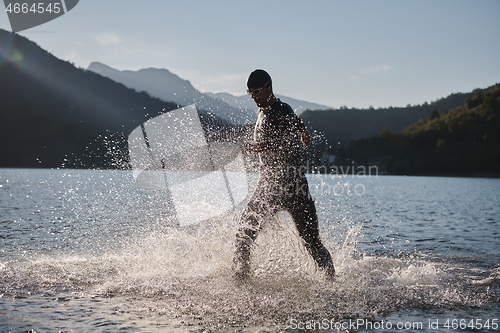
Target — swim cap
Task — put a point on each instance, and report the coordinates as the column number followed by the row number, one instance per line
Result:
column 258, row 78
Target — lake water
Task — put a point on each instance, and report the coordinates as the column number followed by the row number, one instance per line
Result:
column 87, row 251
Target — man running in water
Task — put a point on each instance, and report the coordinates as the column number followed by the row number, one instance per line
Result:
column 282, row 185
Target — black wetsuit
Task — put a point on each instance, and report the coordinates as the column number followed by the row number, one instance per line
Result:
column 282, row 186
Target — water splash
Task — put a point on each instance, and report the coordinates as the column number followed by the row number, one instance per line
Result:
column 97, row 239
column 185, row 273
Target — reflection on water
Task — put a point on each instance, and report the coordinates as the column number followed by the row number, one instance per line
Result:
column 88, row 251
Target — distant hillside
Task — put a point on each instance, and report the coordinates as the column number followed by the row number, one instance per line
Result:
column 53, row 114
column 166, row 86
column 344, row 125
column 462, row 140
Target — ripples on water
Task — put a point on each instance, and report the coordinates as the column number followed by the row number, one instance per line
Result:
column 86, row 251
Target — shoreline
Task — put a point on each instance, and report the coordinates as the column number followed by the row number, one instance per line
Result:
column 361, row 175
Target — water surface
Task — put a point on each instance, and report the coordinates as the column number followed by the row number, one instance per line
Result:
column 87, row 251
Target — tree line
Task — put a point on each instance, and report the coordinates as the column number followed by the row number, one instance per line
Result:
column 464, row 140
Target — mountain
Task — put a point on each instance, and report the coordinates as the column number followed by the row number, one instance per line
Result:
column 345, row 125
column 159, row 83
column 53, row 114
column 462, row 140
column 167, row 86
column 246, row 103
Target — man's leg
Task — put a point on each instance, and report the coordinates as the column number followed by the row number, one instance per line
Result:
column 246, row 234
column 250, row 224
column 303, row 211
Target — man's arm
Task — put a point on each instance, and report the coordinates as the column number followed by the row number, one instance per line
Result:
column 260, row 147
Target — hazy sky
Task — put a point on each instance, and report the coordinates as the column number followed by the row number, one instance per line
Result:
column 355, row 53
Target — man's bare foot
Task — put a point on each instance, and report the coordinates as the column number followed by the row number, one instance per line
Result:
column 241, row 270
column 240, row 275
column 330, row 273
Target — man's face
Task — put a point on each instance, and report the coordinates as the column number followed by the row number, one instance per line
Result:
column 263, row 97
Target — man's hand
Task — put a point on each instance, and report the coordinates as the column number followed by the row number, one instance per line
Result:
column 305, row 137
column 260, row 147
